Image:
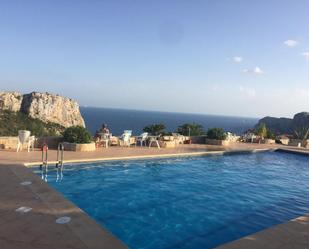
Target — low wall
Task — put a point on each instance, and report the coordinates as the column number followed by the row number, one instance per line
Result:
column 12, row 142
column 9, row 143
column 216, row 142
column 198, row 139
column 296, row 142
column 52, row 142
column 79, row 147
column 269, row 141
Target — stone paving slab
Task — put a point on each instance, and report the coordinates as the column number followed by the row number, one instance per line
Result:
column 37, row 228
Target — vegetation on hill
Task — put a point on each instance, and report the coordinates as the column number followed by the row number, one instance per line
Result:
column 12, row 122
column 77, row 134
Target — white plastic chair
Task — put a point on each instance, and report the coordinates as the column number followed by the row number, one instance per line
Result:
column 125, row 138
column 25, row 138
column 105, row 139
column 142, row 139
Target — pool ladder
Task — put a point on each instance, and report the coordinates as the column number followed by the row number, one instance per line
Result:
column 44, row 165
column 59, row 163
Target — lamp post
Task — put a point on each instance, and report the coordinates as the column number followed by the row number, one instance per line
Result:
column 189, row 134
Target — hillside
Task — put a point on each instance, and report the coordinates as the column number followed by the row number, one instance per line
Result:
column 11, row 122
column 298, row 126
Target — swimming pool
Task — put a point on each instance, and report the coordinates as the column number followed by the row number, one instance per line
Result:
column 190, row 202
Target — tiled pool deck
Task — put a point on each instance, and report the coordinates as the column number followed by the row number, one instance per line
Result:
column 38, row 229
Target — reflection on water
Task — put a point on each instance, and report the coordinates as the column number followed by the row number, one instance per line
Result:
column 194, row 202
column 45, row 173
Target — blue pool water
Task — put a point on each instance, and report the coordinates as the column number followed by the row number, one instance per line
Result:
column 194, row 202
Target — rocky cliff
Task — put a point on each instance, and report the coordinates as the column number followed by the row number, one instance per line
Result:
column 299, row 123
column 44, row 106
column 10, row 101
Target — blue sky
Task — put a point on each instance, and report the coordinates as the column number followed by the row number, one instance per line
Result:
column 240, row 57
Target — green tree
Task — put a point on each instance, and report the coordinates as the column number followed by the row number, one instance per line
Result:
column 192, row 129
column 216, row 133
column 155, row 129
column 270, row 134
column 77, row 134
column 262, row 130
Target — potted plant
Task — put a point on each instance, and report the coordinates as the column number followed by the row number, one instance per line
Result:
column 78, row 138
column 216, row 136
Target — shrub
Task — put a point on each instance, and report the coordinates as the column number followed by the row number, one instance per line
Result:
column 155, row 129
column 77, row 134
column 216, row 133
column 193, row 129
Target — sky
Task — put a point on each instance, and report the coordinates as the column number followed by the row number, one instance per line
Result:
column 225, row 57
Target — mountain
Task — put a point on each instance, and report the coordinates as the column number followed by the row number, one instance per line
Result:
column 298, row 125
column 49, row 108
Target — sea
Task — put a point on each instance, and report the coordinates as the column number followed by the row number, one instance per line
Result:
column 119, row 120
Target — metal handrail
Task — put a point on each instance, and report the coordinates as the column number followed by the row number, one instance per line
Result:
column 60, row 152
column 59, row 164
column 44, row 161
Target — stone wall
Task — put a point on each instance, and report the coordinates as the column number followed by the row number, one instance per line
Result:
column 52, row 142
column 198, row 139
column 217, row 142
column 79, row 147
column 10, row 143
column 297, row 142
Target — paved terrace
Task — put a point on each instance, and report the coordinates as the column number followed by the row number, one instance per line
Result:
column 38, row 229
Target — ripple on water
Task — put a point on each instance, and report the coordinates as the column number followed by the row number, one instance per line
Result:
column 194, row 202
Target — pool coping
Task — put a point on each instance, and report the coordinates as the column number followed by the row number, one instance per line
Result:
column 171, row 155
column 55, row 200
column 290, row 234
column 94, row 235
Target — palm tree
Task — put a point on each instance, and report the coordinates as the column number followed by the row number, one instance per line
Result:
column 192, row 129
column 155, row 129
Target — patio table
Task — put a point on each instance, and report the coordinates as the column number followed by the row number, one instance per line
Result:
column 154, row 139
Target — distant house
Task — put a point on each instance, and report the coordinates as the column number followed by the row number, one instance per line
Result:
column 284, row 139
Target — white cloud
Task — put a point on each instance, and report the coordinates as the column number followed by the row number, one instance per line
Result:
column 291, row 43
column 237, row 59
column 306, row 55
column 302, row 93
column 256, row 71
column 250, row 92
